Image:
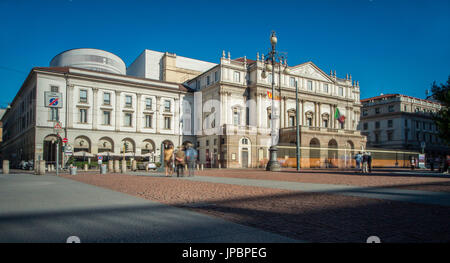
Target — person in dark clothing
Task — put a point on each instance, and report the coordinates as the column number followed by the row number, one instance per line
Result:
column 369, row 161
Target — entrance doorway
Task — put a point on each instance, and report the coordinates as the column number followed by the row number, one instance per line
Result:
column 244, row 154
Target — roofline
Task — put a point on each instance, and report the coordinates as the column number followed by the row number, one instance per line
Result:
column 397, row 94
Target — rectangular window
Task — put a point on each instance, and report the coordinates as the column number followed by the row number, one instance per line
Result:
column 128, row 101
column 208, row 80
column 216, row 76
column 54, row 114
column 390, row 123
column 167, row 105
column 365, row 126
column 325, row 88
column 417, row 125
column 377, row 125
column 237, row 76
column 167, row 123
column 269, row 78
column 107, row 98
column 83, row 115
column 391, row 108
column 364, row 112
column 291, row 121
column 310, row 87
column 377, row 110
column 148, row 103
column 341, row 91
column 325, row 123
column 54, row 88
column 292, row 82
column 128, row 119
column 83, row 95
column 406, row 123
column 235, row 117
column 148, row 121
column 389, row 135
column 106, row 118
column 309, row 121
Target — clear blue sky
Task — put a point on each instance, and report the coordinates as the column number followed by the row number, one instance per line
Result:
column 389, row 46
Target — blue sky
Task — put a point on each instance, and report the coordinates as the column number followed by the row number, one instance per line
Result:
column 389, row 46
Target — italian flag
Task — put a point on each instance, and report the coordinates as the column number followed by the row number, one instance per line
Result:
column 338, row 116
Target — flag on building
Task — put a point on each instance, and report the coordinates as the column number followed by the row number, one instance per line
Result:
column 338, row 116
column 269, row 94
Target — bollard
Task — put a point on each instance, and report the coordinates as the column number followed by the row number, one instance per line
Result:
column 116, row 166
column 110, row 166
column 41, row 169
column 85, row 167
column 202, row 167
column 146, row 166
column 198, row 167
column 103, row 169
column 124, row 166
column 185, row 167
column 5, row 166
column 73, row 170
column 134, row 165
column 220, row 165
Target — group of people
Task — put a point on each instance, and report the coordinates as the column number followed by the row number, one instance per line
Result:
column 176, row 160
column 363, row 162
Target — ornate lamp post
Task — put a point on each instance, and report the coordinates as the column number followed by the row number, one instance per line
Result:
column 271, row 59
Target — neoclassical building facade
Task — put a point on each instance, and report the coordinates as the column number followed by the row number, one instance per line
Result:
column 223, row 109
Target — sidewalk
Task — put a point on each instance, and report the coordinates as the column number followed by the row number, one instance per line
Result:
column 50, row 209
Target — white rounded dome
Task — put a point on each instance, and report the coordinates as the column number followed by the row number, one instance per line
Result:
column 90, row 58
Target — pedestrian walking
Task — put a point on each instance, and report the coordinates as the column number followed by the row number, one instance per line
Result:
column 168, row 160
column 413, row 163
column 369, row 161
column 191, row 158
column 358, row 159
column 180, row 161
column 365, row 160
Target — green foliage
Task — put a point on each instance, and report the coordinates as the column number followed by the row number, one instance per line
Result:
column 158, row 164
column 442, row 94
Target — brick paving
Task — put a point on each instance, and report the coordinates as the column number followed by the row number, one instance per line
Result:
column 397, row 178
column 314, row 217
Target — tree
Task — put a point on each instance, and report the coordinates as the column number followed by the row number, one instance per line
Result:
column 441, row 93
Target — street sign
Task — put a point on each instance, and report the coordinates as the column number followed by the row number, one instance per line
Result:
column 65, row 140
column 100, row 157
column 68, row 153
column 53, row 99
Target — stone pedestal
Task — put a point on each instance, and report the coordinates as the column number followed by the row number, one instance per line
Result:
column 124, row 166
column 116, row 166
column 40, row 167
column 110, row 166
column 133, row 165
column 5, row 166
column 85, row 167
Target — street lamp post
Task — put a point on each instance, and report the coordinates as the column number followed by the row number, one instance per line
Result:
column 297, row 145
column 271, row 59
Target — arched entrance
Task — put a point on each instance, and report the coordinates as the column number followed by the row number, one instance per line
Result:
column 349, row 153
column 50, row 148
column 106, row 148
column 82, row 144
column 148, row 150
column 314, row 153
column 333, row 156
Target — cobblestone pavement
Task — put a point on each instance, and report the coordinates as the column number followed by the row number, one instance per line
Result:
column 315, row 217
column 398, row 178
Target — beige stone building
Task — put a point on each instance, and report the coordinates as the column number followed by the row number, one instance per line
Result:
column 395, row 121
column 224, row 109
column 235, row 130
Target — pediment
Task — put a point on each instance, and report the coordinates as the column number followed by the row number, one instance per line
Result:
column 309, row 70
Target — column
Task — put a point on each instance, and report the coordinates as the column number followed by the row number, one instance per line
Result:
column 258, row 110
column 319, row 115
column 229, row 121
column 158, row 102
column 303, row 113
column 332, row 120
column 118, row 113
column 176, row 118
column 70, row 105
column 300, row 118
column 95, row 112
column 286, row 121
column 282, row 110
column 139, row 115
column 315, row 114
